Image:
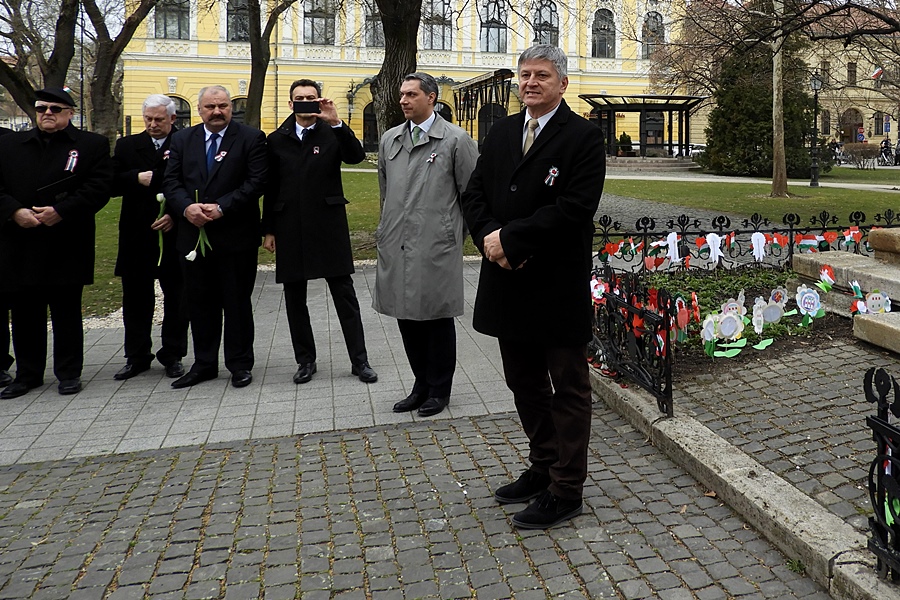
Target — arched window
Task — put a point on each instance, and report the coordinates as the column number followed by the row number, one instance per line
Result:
column 443, row 109
column 437, row 26
column 653, row 33
column 238, row 108
column 318, row 22
column 603, row 35
column 182, row 112
column 487, row 115
column 238, row 21
column 494, row 16
column 370, row 128
column 374, row 28
column 173, row 18
column 546, row 23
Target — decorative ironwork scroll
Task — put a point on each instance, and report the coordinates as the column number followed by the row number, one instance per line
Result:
column 884, row 473
column 633, row 333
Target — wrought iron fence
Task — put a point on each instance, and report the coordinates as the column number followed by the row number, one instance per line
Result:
column 884, row 473
column 687, row 242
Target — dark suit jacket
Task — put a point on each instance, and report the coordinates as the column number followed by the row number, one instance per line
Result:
column 304, row 206
column 138, row 244
column 545, row 204
column 235, row 183
column 32, row 174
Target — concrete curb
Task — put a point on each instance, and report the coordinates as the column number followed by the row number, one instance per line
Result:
column 834, row 553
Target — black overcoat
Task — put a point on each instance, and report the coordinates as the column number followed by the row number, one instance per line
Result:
column 304, row 205
column 138, row 244
column 235, row 183
column 545, row 203
column 33, row 173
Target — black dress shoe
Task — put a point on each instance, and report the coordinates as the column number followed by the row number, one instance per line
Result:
column 193, row 378
column 130, row 370
column 67, row 387
column 527, row 486
column 411, row 402
column 16, row 389
column 175, row 369
column 547, row 511
column 241, row 378
column 365, row 373
column 304, row 372
column 5, row 378
column 433, row 406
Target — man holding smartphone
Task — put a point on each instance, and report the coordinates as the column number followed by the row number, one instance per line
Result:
column 305, row 218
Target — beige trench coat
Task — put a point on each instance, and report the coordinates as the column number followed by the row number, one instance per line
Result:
column 421, row 233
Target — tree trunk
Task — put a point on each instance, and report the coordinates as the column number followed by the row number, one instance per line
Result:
column 400, row 19
column 779, row 164
column 260, row 54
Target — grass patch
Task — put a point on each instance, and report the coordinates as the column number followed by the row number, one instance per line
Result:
column 854, row 175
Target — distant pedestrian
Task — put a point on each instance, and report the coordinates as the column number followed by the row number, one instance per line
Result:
column 147, row 245
column 213, row 182
column 305, row 223
column 53, row 180
column 530, row 206
column 423, row 167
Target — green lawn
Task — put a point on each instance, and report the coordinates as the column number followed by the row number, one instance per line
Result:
column 847, row 174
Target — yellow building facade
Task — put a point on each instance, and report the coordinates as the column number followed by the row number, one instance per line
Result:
column 185, row 45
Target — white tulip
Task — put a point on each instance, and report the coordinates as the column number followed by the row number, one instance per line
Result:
column 191, row 255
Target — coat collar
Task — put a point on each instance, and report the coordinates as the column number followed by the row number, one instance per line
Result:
column 437, row 130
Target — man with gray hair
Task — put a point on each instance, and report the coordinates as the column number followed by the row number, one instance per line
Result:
column 530, row 207
column 147, row 244
column 423, row 167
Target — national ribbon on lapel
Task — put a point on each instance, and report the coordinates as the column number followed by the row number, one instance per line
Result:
column 551, row 176
column 432, row 157
column 72, row 160
column 220, row 156
column 315, row 149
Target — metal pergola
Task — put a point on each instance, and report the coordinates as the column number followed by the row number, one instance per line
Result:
column 469, row 96
column 679, row 109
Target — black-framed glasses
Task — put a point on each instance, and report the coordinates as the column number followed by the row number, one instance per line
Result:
column 42, row 108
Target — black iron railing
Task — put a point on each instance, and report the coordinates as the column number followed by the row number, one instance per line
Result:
column 884, row 473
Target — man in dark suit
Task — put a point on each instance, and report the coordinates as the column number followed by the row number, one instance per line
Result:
column 53, row 180
column 5, row 361
column 303, row 211
column 530, row 206
column 147, row 245
column 213, row 182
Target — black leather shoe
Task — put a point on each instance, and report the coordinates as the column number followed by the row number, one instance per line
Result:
column 5, row 378
column 193, row 378
column 411, row 402
column 365, row 373
column 241, row 378
column 67, row 387
column 175, row 369
column 527, row 486
column 304, row 372
column 547, row 511
column 433, row 406
column 16, row 389
column 130, row 370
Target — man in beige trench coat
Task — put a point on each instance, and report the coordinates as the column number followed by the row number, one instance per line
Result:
column 423, row 168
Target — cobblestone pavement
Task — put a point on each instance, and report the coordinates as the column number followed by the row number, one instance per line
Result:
column 383, row 512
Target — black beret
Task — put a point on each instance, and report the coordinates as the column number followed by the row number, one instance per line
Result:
column 57, row 95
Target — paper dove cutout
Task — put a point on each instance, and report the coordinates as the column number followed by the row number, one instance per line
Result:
column 758, row 242
column 715, row 247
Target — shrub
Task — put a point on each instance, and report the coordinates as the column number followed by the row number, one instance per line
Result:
column 862, row 156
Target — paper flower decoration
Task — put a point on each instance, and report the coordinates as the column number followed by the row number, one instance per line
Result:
column 730, row 326
column 779, row 296
column 597, row 289
column 759, row 320
column 809, row 304
column 826, row 278
column 878, row 302
column 736, row 307
column 708, row 330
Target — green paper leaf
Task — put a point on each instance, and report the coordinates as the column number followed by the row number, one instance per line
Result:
column 709, row 348
column 806, row 321
column 821, row 313
column 790, row 313
column 728, row 353
column 736, row 344
column 763, row 344
column 746, row 320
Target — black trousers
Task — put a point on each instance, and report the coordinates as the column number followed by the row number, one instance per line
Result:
column 431, row 350
column 6, row 359
column 216, row 286
column 347, row 307
column 29, row 332
column 552, row 390
column 138, row 304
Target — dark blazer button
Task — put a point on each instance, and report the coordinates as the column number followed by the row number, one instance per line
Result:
column 513, row 187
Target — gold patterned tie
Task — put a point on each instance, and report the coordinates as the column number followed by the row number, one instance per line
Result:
column 529, row 136
column 416, row 134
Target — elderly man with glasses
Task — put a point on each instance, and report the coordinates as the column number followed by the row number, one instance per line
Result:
column 53, row 180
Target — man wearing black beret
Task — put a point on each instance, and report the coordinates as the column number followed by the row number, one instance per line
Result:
column 53, row 180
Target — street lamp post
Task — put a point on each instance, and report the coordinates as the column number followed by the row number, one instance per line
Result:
column 815, row 84
column 350, row 96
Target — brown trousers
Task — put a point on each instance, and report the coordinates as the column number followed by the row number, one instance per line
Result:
column 552, row 390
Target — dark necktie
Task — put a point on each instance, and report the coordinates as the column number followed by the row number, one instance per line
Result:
column 303, row 133
column 211, row 152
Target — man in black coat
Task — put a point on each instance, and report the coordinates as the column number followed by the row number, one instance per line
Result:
column 147, row 245
column 5, row 361
column 304, row 212
column 53, row 180
column 530, row 206
column 213, row 182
